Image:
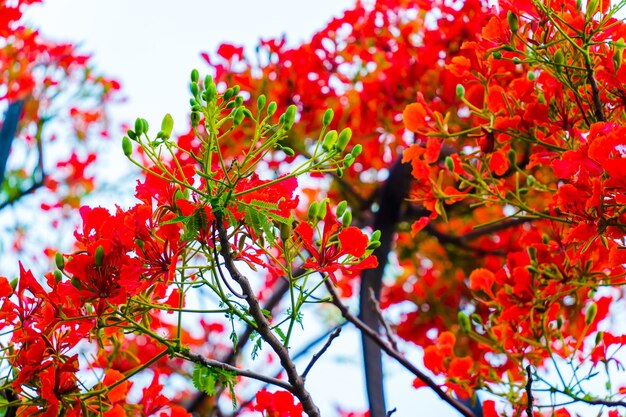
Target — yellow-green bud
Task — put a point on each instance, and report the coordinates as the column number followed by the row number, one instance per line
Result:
column 195, row 76
column 290, row 117
column 58, row 276
column 328, row 117
column 559, row 59
column 373, row 245
column 312, row 213
column 228, row 94
column 193, row 87
column 592, row 7
column 341, row 208
column 464, row 322
column 450, row 163
column 590, row 315
column 167, row 125
column 356, row 151
column 329, row 140
column 346, row 219
column 321, row 210
column 343, row 139
column 375, row 236
column 131, row 134
column 127, row 146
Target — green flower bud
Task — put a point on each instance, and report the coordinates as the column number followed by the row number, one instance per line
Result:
column 288, row 151
column 339, row 172
column 210, row 93
column 344, row 138
column 59, row 261
column 271, row 108
column 450, row 163
column 464, row 322
column 590, row 315
column 511, row 17
column 144, row 122
column 497, row 55
column 195, row 118
column 348, row 160
column 321, row 210
column 167, row 125
column 356, row 151
column 329, row 140
column 14, row 283
column 341, row 208
column 127, row 146
column 58, row 276
column 195, row 75
column 76, row 283
column 193, row 87
column 346, row 219
column 290, row 117
column 228, row 94
column 559, row 59
column 238, row 116
column 328, row 117
column 260, row 102
column 375, row 236
column 98, row 257
column 531, row 76
column 373, row 245
column 138, row 127
column 238, row 101
column 131, row 134
column 460, row 91
column 236, row 90
column 312, row 213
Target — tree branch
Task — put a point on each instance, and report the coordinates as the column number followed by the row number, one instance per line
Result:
column 319, row 354
column 375, row 338
column 263, row 326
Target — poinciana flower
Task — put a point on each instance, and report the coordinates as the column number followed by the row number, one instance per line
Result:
column 344, row 254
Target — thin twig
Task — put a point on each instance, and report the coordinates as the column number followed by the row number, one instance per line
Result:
column 375, row 337
column 323, row 350
column 385, row 324
column 529, row 392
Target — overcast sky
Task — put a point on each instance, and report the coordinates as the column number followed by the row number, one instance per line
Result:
column 151, row 47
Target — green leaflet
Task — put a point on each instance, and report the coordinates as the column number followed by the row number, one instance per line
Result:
column 207, row 379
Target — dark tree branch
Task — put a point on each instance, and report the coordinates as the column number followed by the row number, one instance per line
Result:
column 529, row 392
column 598, row 109
column 263, row 326
column 383, row 322
column 379, row 341
column 393, row 193
column 323, row 350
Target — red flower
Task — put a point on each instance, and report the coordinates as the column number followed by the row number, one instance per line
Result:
column 277, row 404
column 332, row 256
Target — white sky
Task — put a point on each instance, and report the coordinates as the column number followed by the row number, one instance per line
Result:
column 151, row 47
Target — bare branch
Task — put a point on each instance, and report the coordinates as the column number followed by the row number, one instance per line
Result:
column 383, row 322
column 319, row 354
column 529, row 392
column 375, row 337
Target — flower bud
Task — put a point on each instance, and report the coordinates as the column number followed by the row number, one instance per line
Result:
column 321, row 210
column 341, row 208
column 138, row 127
column 464, row 322
column 127, row 146
column 312, row 213
column 59, row 261
column 373, row 245
column 329, row 140
column 260, row 102
column 195, row 76
column 195, row 118
column 271, row 108
column 131, row 134
column 238, row 116
column 343, row 139
column 228, row 94
column 356, row 151
column 375, row 236
column 460, row 91
column 590, row 315
column 98, row 257
column 290, row 117
column 511, row 17
column 167, row 125
column 450, row 163
column 328, row 117
column 346, row 219
column 58, row 276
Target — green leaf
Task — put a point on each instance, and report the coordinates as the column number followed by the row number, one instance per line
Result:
column 204, row 379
